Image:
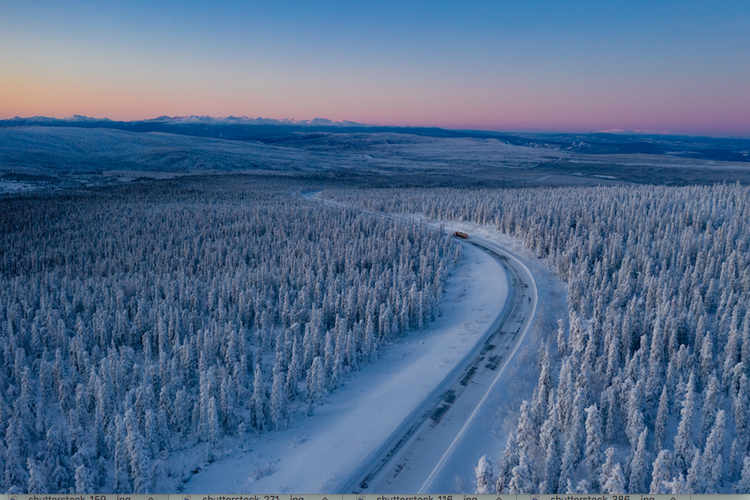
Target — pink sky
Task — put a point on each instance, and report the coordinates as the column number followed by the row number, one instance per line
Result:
column 484, row 66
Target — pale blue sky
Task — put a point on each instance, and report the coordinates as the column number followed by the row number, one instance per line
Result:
column 658, row 66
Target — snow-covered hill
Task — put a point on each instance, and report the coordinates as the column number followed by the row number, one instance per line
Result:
column 38, row 155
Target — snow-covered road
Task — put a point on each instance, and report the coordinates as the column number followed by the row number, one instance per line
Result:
column 414, row 458
column 404, row 395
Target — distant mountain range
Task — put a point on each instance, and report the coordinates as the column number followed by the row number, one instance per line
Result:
column 193, row 119
column 230, row 127
column 273, row 131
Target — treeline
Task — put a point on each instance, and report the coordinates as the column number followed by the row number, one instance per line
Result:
column 140, row 320
column 647, row 388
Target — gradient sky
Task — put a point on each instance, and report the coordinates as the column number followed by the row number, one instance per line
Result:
column 669, row 66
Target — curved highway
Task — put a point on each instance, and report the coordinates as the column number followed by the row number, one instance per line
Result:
column 413, row 457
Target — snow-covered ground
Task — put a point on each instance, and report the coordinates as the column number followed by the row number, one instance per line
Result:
column 316, row 454
column 14, row 186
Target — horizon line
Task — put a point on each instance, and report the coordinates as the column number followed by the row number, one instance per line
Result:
column 344, row 124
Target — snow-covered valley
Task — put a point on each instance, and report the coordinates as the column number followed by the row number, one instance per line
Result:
column 168, row 331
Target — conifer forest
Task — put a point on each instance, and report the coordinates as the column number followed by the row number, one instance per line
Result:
column 374, row 250
column 645, row 387
column 135, row 321
column 143, row 319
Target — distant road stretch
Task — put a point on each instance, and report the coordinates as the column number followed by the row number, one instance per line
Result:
column 412, row 458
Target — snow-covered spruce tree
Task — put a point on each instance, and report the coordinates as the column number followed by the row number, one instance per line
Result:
column 485, row 476
column 278, row 401
column 213, row 429
column 684, row 448
column 594, row 439
column 694, row 482
column 551, row 445
column 525, row 431
column 84, row 481
column 662, row 473
column 315, row 385
column 140, row 466
column 521, row 476
column 15, row 473
column 741, row 417
column 37, row 477
column 639, row 465
column 508, row 461
column 258, row 414
column 615, row 483
column 122, row 482
column 710, row 407
column 743, row 486
column 662, row 418
column 713, row 461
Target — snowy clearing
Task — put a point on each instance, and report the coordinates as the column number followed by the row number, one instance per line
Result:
column 15, row 186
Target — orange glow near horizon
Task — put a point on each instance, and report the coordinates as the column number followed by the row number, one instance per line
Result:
column 515, row 111
column 681, row 68
column 515, row 106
